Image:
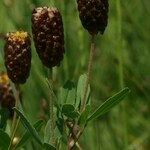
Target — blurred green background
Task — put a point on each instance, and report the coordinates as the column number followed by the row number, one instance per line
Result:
column 122, row 58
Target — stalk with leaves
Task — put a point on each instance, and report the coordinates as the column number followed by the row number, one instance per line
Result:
column 47, row 29
column 69, row 106
column 93, row 15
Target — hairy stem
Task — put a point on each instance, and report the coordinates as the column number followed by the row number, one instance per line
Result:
column 51, row 111
column 90, row 62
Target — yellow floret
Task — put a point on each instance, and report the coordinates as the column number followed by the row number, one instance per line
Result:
column 18, row 36
column 4, row 78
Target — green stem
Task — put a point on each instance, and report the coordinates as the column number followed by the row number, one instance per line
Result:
column 15, row 122
column 90, row 62
column 120, row 67
column 51, row 111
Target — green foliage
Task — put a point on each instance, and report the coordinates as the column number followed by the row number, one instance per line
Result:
column 48, row 147
column 28, row 126
column 81, row 89
column 31, row 129
column 84, row 116
column 67, row 93
column 69, row 111
column 4, row 140
column 16, row 14
column 47, row 134
column 4, row 114
column 27, row 136
column 108, row 104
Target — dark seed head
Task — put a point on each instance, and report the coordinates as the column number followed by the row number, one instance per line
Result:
column 47, row 29
column 7, row 99
column 93, row 15
column 18, row 56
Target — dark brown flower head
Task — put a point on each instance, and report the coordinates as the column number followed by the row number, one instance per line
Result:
column 18, row 56
column 7, row 99
column 93, row 15
column 47, row 29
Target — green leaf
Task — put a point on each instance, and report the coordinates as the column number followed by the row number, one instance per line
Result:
column 47, row 134
column 60, row 125
column 28, row 126
column 109, row 103
column 81, row 90
column 4, row 140
column 52, row 94
column 62, row 95
column 68, row 93
column 26, row 136
column 48, row 147
column 4, row 113
column 83, row 118
column 61, row 129
column 69, row 111
column 71, row 95
column 73, row 115
column 67, row 108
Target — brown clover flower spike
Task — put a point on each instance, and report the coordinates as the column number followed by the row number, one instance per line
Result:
column 47, row 29
column 93, row 15
column 7, row 99
column 18, row 56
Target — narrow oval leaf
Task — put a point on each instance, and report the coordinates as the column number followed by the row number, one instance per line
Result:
column 48, row 147
column 62, row 95
column 83, row 118
column 71, row 96
column 67, row 93
column 4, row 140
column 28, row 126
column 81, row 90
column 47, row 134
column 26, row 136
column 109, row 103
